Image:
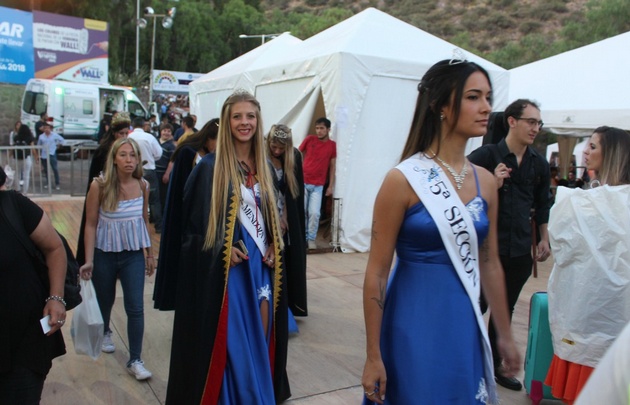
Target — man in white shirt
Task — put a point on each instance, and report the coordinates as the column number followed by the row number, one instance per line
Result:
column 151, row 151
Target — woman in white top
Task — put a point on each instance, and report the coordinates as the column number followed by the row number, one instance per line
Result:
column 115, row 237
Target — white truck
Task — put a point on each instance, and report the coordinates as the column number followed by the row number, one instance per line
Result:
column 76, row 109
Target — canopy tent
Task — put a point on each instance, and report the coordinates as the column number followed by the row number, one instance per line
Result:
column 578, row 152
column 363, row 75
column 580, row 90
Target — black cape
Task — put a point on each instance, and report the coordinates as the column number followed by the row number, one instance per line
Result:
column 295, row 240
column 171, row 240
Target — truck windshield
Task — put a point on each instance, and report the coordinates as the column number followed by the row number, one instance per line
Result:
column 136, row 110
column 34, row 103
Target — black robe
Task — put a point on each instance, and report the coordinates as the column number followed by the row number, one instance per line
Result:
column 295, row 240
column 172, row 228
column 201, row 287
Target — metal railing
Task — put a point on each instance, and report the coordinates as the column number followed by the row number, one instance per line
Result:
column 30, row 178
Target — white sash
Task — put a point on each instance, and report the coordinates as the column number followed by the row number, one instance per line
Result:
column 458, row 234
column 251, row 217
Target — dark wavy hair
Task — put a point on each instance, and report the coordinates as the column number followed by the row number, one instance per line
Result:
column 443, row 80
column 198, row 140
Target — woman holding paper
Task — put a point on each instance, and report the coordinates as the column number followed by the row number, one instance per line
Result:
column 31, row 314
column 426, row 339
column 230, row 280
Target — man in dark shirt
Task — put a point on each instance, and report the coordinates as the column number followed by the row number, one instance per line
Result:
column 523, row 180
column 43, row 117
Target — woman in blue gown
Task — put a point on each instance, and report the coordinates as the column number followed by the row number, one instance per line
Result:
column 230, row 327
column 426, row 340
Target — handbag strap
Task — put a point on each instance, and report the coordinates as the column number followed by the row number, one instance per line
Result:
column 10, row 212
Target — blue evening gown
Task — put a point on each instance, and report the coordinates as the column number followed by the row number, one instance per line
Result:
column 430, row 340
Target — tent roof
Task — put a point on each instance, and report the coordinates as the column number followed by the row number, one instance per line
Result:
column 579, row 90
column 375, row 33
column 269, row 52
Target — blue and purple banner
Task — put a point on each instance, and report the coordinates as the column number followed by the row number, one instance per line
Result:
column 70, row 48
column 16, row 46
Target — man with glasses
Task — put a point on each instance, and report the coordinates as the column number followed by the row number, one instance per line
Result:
column 523, row 180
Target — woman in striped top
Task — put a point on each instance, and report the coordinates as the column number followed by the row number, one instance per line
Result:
column 115, row 237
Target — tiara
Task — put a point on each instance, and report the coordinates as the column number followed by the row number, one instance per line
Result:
column 121, row 118
column 280, row 134
column 458, row 57
column 241, row 92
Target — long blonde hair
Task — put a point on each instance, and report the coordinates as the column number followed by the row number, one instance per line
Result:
column 282, row 134
column 109, row 181
column 227, row 174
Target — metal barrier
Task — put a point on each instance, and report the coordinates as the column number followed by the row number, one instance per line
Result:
column 26, row 177
column 29, row 178
column 336, row 224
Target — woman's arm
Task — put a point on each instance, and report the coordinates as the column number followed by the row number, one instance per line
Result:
column 389, row 210
column 167, row 174
column 493, row 281
column 48, row 242
column 92, row 203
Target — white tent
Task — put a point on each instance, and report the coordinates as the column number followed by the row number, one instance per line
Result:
column 580, row 90
column 578, row 152
column 362, row 74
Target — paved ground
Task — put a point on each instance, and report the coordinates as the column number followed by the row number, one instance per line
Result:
column 325, row 359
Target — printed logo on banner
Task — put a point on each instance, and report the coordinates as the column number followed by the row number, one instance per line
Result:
column 49, row 57
column 88, row 72
column 165, row 78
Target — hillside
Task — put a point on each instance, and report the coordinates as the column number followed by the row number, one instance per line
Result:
column 495, row 29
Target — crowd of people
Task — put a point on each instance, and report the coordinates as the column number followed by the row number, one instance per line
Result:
column 238, row 210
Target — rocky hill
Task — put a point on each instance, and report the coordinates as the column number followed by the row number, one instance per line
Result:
column 494, row 29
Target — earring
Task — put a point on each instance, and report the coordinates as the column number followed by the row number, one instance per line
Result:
column 441, row 116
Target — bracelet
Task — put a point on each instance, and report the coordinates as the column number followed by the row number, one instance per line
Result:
column 56, row 298
column 149, row 257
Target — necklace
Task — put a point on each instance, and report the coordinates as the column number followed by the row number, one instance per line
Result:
column 459, row 178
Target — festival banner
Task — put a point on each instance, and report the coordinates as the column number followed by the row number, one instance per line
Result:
column 173, row 82
column 16, row 46
column 70, row 48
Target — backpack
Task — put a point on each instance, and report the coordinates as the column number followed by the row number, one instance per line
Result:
column 72, row 288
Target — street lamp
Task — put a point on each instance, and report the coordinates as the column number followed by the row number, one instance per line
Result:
column 263, row 36
column 167, row 22
column 138, row 35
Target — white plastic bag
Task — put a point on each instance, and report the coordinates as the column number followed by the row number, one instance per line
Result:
column 10, row 176
column 589, row 287
column 87, row 323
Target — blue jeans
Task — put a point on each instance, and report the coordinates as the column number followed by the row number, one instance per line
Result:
column 128, row 266
column 21, row 386
column 313, row 208
column 53, row 166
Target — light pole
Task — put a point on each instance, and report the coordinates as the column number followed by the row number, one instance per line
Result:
column 137, row 36
column 167, row 22
column 262, row 36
